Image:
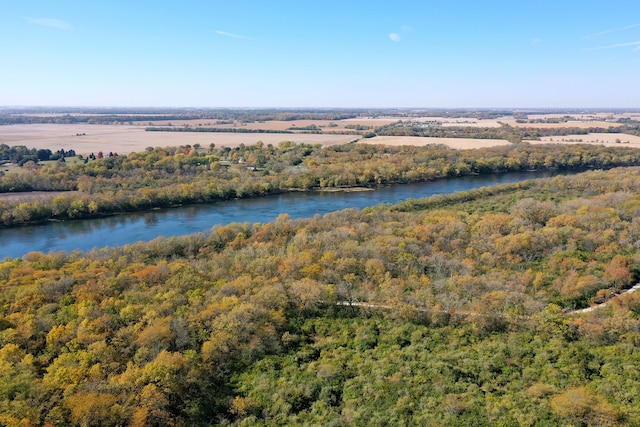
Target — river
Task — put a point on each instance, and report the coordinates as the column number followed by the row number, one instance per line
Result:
column 120, row 230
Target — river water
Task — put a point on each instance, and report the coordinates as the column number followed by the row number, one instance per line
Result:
column 120, row 230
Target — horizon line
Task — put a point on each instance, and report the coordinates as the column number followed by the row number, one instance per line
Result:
column 61, row 106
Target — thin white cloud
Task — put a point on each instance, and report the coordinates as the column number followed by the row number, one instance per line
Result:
column 50, row 22
column 536, row 41
column 394, row 37
column 601, row 33
column 397, row 36
column 613, row 46
column 235, row 36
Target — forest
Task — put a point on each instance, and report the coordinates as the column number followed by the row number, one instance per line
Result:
column 450, row 310
column 172, row 176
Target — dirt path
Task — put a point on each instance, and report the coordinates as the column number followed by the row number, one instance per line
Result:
column 604, row 304
column 467, row 313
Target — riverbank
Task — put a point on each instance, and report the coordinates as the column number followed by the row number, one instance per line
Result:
column 128, row 228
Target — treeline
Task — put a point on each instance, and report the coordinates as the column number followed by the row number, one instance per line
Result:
column 460, row 319
column 121, row 116
column 312, row 129
column 165, row 177
column 514, row 134
column 20, row 154
column 107, row 119
column 210, row 129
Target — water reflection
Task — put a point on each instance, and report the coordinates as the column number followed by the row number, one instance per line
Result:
column 151, row 220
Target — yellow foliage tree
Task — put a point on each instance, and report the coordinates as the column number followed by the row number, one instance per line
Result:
column 583, row 407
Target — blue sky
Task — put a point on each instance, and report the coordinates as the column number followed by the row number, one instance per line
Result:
column 370, row 54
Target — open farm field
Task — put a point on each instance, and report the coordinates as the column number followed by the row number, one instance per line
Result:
column 607, row 139
column 272, row 125
column 123, row 139
column 127, row 138
column 571, row 123
column 601, row 116
column 331, row 125
column 537, row 120
column 583, row 121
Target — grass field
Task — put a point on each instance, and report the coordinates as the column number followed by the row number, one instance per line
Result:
column 14, row 198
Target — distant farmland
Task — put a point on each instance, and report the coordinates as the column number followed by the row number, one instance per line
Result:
column 133, row 137
column 85, row 139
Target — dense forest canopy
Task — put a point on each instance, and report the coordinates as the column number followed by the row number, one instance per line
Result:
column 165, row 177
column 451, row 310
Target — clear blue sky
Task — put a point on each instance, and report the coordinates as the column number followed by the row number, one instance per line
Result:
column 271, row 53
